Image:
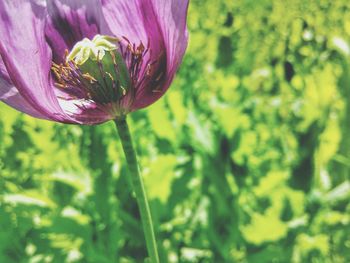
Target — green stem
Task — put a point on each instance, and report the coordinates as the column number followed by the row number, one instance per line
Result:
column 139, row 188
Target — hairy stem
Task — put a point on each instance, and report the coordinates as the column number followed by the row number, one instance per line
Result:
column 138, row 188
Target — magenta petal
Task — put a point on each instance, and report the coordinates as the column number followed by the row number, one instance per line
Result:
column 30, row 31
column 126, row 18
column 138, row 22
column 85, row 112
column 27, row 57
column 171, row 16
column 71, row 21
column 10, row 95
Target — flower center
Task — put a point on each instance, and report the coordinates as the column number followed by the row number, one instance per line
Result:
column 104, row 71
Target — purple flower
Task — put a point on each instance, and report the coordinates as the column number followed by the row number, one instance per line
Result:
column 89, row 61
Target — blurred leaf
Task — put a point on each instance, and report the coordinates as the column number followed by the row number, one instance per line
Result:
column 30, row 197
column 81, row 182
column 159, row 177
column 159, row 119
column 264, row 228
column 308, row 243
column 341, row 192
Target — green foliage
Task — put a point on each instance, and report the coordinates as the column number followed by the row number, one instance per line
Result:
column 245, row 159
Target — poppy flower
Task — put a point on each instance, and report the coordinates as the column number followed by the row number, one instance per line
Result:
column 89, row 61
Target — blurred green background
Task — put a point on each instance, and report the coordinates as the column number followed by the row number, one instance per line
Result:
column 246, row 158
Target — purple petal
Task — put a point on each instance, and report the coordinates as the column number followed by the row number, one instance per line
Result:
column 10, row 95
column 27, row 57
column 138, row 21
column 127, row 18
column 85, row 112
column 71, row 21
column 171, row 17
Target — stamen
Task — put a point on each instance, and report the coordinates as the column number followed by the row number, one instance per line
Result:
column 88, row 77
column 110, row 76
column 105, row 70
